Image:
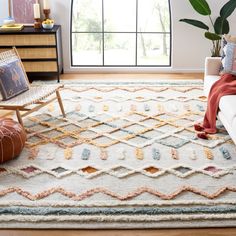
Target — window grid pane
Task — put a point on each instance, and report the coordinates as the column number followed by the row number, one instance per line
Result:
column 119, row 48
column 153, row 49
column 87, row 49
column 134, row 33
column 114, row 21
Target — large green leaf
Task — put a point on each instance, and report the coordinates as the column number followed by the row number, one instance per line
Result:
column 201, row 6
column 212, row 36
column 221, row 26
column 228, row 9
column 196, row 23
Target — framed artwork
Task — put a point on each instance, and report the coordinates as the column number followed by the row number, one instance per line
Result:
column 22, row 11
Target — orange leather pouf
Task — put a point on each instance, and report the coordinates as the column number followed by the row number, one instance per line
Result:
column 12, row 139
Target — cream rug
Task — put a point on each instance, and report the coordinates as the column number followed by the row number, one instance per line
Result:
column 126, row 156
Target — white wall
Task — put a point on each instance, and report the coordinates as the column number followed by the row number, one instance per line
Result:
column 189, row 44
column 189, row 47
column 3, row 10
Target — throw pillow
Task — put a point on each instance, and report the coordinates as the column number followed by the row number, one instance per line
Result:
column 13, row 79
column 228, row 58
column 229, row 38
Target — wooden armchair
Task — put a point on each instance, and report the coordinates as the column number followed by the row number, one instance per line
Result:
column 34, row 98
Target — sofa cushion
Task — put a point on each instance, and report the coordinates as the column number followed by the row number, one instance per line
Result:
column 228, row 108
column 209, row 80
column 228, row 58
column 230, row 127
column 232, row 130
column 229, row 38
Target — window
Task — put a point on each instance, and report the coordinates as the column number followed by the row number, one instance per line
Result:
column 120, row 33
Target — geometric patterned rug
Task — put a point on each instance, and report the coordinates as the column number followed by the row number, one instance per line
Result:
column 125, row 156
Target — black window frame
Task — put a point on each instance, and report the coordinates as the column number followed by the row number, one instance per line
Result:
column 136, row 41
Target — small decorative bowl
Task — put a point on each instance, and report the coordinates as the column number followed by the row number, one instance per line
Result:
column 48, row 26
column 9, row 21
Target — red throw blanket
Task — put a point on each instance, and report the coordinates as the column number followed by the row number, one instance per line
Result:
column 226, row 85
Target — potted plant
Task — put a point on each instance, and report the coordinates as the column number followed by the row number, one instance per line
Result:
column 219, row 27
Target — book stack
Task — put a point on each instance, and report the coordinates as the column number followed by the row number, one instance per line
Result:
column 14, row 27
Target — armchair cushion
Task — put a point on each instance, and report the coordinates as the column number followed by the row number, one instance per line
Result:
column 13, row 79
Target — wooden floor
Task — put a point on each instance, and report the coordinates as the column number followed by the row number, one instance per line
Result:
column 153, row 232
column 151, row 76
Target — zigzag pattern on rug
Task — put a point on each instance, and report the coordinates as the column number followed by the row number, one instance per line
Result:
column 137, row 192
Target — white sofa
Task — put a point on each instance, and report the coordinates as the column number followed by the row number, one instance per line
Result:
column 227, row 106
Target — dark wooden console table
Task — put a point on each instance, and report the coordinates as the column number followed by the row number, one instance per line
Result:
column 39, row 49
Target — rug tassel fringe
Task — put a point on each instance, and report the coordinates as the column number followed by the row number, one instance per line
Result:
column 123, row 154
column 146, row 107
column 139, row 153
column 208, row 153
column 160, row 108
column 193, row 155
column 105, row 108
column 91, row 108
column 156, row 154
column 68, row 153
column 33, row 153
column 174, row 154
column 225, row 153
column 85, row 154
column 104, row 154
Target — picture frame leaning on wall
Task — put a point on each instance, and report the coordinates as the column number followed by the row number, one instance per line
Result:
column 22, row 11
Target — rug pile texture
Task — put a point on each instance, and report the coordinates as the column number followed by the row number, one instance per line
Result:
column 125, row 156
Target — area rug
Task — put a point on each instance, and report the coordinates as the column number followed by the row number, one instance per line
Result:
column 125, row 156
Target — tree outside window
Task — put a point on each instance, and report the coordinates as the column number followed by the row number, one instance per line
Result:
column 120, row 33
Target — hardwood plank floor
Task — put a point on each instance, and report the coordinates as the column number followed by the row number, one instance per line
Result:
column 152, row 76
column 151, row 232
